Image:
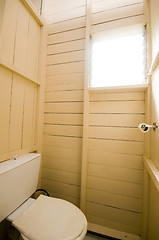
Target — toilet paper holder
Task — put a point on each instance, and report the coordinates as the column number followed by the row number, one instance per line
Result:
column 146, row 127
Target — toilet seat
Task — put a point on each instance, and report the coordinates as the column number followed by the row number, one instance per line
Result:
column 81, row 237
column 52, row 219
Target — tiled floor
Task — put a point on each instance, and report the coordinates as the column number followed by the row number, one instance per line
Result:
column 93, row 237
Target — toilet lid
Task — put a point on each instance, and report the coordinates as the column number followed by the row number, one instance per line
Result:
column 51, row 219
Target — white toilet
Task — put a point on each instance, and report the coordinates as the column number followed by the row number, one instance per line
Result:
column 44, row 218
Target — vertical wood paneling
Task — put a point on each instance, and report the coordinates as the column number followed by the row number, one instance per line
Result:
column 151, row 226
column 17, row 113
column 28, row 118
column 20, row 36
column 21, row 39
column 5, row 100
column 8, row 32
column 33, row 47
column 19, row 53
column 2, row 12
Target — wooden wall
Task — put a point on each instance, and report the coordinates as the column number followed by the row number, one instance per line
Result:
column 115, row 170
column 153, row 231
column 116, row 13
column 19, row 82
column 64, row 100
column 115, row 145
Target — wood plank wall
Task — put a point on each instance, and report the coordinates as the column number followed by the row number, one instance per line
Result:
column 115, row 171
column 19, row 50
column 64, row 100
column 116, row 13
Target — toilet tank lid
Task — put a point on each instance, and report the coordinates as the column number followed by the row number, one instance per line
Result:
column 10, row 164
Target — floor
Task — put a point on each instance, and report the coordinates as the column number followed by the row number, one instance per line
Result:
column 94, row 237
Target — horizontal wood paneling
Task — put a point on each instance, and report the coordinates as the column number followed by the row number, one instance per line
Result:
column 115, row 145
column 127, row 96
column 66, row 153
column 63, row 118
column 62, row 165
column 120, row 22
column 66, row 47
column 76, row 119
column 63, row 130
column 74, row 95
column 66, row 25
column 101, row 5
column 66, row 36
column 62, row 82
column 70, row 190
column 73, row 67
column 64, row 176
column 111, row 14
column 114, row 214
column 117, row 187
column 58, row 6
column 120, row 174
column 65, row 15
column 75, row 201
column 115, row 160
column 118, row 133
column 62, row 141
column 115, row 200
column 66, row 57
column 114, row 225
column 117, row 107
column 120, row 120
column 61, row 12
column 69, row 107
column 117, row 13
column 127, row 161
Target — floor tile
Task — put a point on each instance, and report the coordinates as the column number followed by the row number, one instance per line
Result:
column 93, row 237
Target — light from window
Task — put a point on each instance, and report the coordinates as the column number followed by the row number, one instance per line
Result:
column 118, row 57
column 38, row 4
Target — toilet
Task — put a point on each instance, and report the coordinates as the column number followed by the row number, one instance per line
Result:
column 44, row 218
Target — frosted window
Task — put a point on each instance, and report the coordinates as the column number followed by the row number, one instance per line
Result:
column 38, row 4
column 118, row 57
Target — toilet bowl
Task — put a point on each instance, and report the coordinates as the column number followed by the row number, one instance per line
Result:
column 45, row 218
column 51, row 219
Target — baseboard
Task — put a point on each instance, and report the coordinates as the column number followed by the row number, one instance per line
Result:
column 112, row 232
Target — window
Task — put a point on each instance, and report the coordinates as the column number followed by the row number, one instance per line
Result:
column 38, row 4
column 118, row 57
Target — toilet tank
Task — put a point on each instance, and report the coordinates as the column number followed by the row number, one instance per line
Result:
column 18, row 181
